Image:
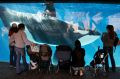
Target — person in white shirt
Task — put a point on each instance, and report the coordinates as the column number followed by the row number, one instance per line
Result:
column 21, row 40
column 12, row 45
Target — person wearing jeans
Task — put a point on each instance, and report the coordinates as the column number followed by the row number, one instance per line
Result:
column 20, row 52
column 108, row 39
column 12, row 46
column 109, row 51
column 20, row 42
column 12, row 56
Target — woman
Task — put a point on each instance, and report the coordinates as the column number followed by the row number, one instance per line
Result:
column 78, row 61
column 20, row 42
column 108, row 39
column 12, row 46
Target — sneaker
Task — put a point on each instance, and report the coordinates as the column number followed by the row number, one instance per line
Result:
column 19, row 73
column 106, row 70
column 81, row 74
column 76, row 72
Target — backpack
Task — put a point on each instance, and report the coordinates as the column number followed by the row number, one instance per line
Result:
column 116, row 41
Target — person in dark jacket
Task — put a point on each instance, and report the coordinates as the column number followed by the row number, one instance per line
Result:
column 78, row 61
column 109, row 41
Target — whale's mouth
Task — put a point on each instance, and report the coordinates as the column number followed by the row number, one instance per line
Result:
column 87, row 38
column 81, row 31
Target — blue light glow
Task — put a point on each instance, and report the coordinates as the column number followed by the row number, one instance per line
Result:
column 82, row 16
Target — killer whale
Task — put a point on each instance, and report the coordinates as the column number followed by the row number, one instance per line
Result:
column 45, row 29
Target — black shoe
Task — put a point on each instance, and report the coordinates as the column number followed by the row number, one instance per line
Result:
column 19, row 73
column 107, row 70
column 25, row 70
column 113, row 70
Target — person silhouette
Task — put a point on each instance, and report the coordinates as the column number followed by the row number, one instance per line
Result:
column 78, row 61
column 50, row 9
column 108, row 38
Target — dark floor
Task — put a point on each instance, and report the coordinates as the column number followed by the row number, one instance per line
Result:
column 9, row 73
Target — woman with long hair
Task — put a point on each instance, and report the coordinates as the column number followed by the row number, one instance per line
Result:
column 20, row 42
column 78, row 61
column 12, row 45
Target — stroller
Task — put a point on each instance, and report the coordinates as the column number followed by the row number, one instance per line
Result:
column 45, row 57
column 40, row 56
column 99, row 61
column 63, row 54
column 33, row 53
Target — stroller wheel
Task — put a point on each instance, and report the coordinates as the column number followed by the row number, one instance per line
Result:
column 95, row 75
column 88, row 68
column 105, row 74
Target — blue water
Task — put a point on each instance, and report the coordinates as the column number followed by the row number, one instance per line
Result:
column 97, row 16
